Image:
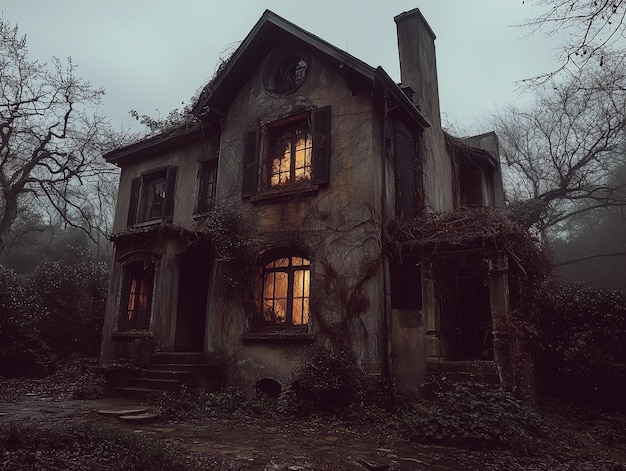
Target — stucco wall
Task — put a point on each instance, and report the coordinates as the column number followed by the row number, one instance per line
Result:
column 339, row 225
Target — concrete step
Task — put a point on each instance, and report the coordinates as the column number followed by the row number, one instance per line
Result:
column 156, row 383
column 178, row 358
column 187, row 375
column 463, row 366
column 136, row 392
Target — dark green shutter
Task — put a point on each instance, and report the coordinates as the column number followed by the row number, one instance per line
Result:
column 170, row 191
column 321, row 145
column 135, row 186
column 250, row 163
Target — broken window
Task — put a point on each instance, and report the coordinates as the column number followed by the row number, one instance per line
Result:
column 284, row 292
column 137, row 296
column 207, row 182
column 295, row 153
column 152, row 196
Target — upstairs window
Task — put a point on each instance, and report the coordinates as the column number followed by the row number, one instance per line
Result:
column 207, row 183
column 152, row 196
column 289, row 158
column 283, row 294
column 290, row 154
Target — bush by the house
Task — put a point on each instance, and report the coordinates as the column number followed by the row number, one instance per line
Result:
column 53, row 312
column 327, row 382
column 582, row 343
column 73, row 292
column 474, row 416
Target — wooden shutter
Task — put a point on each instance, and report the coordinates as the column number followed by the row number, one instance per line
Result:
column 250, row 163
column 135, row 186
column 170, row 192
column 321, row 145
column 405, row 177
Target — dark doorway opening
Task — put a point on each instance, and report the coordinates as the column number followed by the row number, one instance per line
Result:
column 466, row 324
column 193, row 291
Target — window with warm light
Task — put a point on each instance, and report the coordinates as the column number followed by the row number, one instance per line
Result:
column 137, row 297
column 289, row 156
column 285, row 292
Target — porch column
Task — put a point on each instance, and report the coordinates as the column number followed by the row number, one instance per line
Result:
column 431, row 311
column 500, row 311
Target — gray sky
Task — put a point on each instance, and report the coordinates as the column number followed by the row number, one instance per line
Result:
column 153, row 55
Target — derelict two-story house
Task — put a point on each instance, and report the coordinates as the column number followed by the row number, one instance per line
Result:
column 257, row 229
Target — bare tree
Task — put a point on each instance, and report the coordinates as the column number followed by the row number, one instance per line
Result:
column 561, row 152
column 51, row 135
column 593, row 31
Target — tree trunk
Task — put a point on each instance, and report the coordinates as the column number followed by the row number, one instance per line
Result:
column 8, row 217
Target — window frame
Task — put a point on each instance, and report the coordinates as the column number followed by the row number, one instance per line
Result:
column 268, row 266
column 138, row 212
column 257, row 152
column 206, row 186
column 144, row 273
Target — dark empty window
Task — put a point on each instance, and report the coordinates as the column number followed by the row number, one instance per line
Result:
column 207, row 182
column 152, row 196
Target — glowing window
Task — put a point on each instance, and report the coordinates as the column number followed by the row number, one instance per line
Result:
column 285, row 292
column 289, row 156
column 137, row 297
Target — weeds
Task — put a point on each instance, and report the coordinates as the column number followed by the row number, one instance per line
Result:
column 474, row 416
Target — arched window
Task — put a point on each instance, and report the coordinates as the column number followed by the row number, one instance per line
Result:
column 283, row 294
column 136, row 308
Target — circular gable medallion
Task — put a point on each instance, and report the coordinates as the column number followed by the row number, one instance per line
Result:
column 285, row 72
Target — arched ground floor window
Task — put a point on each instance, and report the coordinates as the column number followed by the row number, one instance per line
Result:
column 282, row 293
column 136, row 299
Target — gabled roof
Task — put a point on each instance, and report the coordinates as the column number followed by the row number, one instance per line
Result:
column 272, row 29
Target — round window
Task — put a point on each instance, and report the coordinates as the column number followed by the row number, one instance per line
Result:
column 285, row 73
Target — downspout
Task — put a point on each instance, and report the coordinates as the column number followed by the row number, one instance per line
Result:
column 386, row 273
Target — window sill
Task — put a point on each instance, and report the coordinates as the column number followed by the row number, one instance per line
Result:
column 278, row 337
column 131, row 335
column 268, row 196
column 151, row 222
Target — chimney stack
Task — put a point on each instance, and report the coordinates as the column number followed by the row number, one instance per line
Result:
column 418, row 64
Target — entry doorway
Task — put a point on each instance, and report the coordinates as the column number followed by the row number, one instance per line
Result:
column 193, row 290
column 466, row 324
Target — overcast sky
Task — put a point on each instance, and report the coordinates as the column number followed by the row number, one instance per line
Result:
column 153, row 55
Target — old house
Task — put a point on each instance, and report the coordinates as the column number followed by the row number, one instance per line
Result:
column 256, row 230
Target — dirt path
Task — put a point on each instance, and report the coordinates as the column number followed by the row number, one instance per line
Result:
column 254, row 445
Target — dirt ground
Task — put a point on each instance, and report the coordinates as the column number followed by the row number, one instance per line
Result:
column 290, row 445
column 254, row 445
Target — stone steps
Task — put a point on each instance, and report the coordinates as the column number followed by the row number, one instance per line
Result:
column 169, row 371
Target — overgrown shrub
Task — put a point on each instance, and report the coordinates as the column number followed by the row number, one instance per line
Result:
column 327, row 383
column 582, row 340
column 73, row 292
column 474, row 416
column 20, row 309
column 21, row 351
